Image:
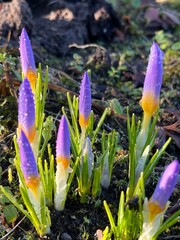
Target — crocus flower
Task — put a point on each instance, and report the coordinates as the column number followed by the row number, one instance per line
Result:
column 26, row 111
column 153, row 81
column 63, row 143
column 151, row 92
column 27, row 59
column 154, row 209
column 62, row 167
column 85, row 101
column 28, row 164
column 164, row 189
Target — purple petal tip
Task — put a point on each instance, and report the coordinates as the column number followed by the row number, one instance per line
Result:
column 27, row 59
column 85, row 100
column 153, row 80
column 63, row 143
column 26, row 110
column 28, row 162
column 166, row 184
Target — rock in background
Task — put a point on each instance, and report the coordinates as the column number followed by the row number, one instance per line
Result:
column 54, row 25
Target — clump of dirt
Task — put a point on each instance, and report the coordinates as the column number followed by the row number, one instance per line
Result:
column 14, row 16
column 54, row 25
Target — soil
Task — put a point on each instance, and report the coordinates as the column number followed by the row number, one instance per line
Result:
column 71, row 37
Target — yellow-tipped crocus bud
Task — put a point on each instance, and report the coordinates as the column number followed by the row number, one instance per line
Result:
column 27, row 59
column 26, row 111
column 164, row 189
column 85, row 101
column 62, row 167
column 154, row 209
column 28, row 164
column 153, row 81
column 63, row 143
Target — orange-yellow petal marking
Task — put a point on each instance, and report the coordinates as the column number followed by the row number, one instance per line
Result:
column 26, row 111
column 30, row 133
column 32, row 77
column 149, row 103
column 83, row 122
column 154, row 210
column 28, row 163
column 32, row 182
column 63, row 160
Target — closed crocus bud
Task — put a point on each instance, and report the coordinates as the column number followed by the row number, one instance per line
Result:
column 164, row 189
column 154, row 209
column 85, row 101
column 62, row 167
column 151, row 92
column 63, row 143
column 27, row 59
column 153, row 81
column 28, row 164
column 26, row 111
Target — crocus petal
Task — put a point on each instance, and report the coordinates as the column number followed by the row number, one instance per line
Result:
column 26, row 111
column 153, row 80
column 164, row 189
column 28, row 163
column 27, row 59
column 63, row 143
column 85, row 101
column 61, row 185
column 151, row 225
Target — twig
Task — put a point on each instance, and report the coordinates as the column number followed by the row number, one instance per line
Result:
column 64, row 75
column 172, row 237
column 86, row 46
column 4, row 237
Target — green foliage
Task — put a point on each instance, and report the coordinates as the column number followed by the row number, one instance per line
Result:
column 88, row 185
column 10, row 213
column 8, row 63
column 129, row 219
column 116, row 106
column 77, row 62
column 46, row 170
column 114, row 73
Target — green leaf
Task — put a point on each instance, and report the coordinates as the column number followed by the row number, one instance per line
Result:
column 116, row 106
column 3, row 198
column 1, row 69
column 10, row 213
column 176, row 46
column 136, row 3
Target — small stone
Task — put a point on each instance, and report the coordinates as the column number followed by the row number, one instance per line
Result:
column 66, row 236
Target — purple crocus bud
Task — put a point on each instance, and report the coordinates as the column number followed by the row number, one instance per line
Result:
column 85, row 101
column 153, row 81
column 26, row 111
column 28, row 164
column 63, row 143
column 27, row 59
column 164, row 189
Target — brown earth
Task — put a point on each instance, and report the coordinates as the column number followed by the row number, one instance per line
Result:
column 58, row 30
